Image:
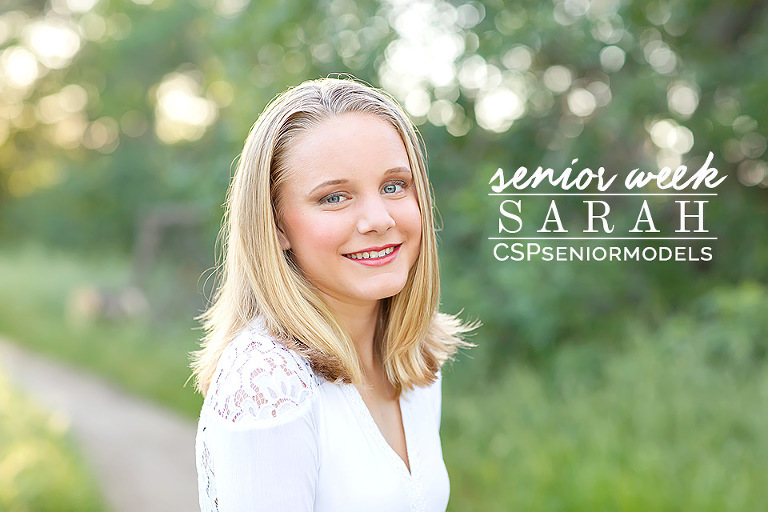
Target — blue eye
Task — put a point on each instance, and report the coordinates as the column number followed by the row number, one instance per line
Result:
column 333, row 199
column 393, row 188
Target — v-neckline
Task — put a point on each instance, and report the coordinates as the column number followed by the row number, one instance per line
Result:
column 367, row 418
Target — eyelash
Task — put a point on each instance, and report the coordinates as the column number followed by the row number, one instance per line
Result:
column 403, row 185
column 328, row 199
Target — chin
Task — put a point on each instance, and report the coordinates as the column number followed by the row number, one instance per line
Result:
column 385, row 292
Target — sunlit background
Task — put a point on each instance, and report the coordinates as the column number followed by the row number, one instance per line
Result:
column 629, row 386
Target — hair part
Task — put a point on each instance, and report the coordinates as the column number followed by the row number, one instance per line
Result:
column 259, row 279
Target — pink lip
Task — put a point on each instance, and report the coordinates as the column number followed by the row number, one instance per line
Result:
column 377, row 262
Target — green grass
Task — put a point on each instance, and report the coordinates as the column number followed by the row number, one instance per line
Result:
column 40, row 470
column 145, row 355
column 673, row 420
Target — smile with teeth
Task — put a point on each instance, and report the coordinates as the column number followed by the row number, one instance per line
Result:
column 371, row 255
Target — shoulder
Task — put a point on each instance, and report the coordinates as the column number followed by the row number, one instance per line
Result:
column 429, row 394
column 428, row 399
column 260, row 380
column 435, row 390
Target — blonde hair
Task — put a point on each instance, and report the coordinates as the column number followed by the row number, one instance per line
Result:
column 259, row 279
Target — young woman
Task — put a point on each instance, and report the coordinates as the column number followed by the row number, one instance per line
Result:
column 321, row 361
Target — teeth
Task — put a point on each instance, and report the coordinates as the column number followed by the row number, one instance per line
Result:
column 371, row 255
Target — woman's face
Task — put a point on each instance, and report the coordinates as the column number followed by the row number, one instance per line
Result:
column 348, row 208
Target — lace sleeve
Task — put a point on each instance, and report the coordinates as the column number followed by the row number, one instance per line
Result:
column 257, row 438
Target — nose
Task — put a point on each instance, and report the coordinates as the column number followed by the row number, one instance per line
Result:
column 374, row 216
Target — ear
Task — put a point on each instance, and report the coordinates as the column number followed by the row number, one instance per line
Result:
column 285, row 244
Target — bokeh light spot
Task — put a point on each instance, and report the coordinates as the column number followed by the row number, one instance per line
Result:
column 744, row 124
column 752, row 172
column 661, row 58
column 134, row 123
column 19, row 67
column 81, row 6
column 612, row 58
column 753, row 145
column 181, row 111
column 519, row 58
column 230, row 8
column 469, row 15
column 93, row 26
column 417, row 103
column 54, row 41
column 557, row 78
column 682, row 99
column 581, row 102
column 497, row 109
column 102, row 135
column 667, row 134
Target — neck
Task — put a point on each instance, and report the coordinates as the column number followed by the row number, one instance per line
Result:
column 359, row 322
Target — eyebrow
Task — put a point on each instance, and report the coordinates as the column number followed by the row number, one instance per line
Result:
column 394, row 170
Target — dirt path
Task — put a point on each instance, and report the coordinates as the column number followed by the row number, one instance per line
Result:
column 141, row 454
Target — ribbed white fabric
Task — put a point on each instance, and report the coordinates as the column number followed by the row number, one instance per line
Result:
column 273, row 436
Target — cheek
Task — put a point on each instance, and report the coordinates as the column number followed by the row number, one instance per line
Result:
column 311, row 234
column 410, row 220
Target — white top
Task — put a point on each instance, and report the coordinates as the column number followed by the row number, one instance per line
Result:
column 273, row 436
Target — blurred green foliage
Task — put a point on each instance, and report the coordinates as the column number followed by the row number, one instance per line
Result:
column 81, row 167
column 673, row 421
column 40, row 470
column 145, row 354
